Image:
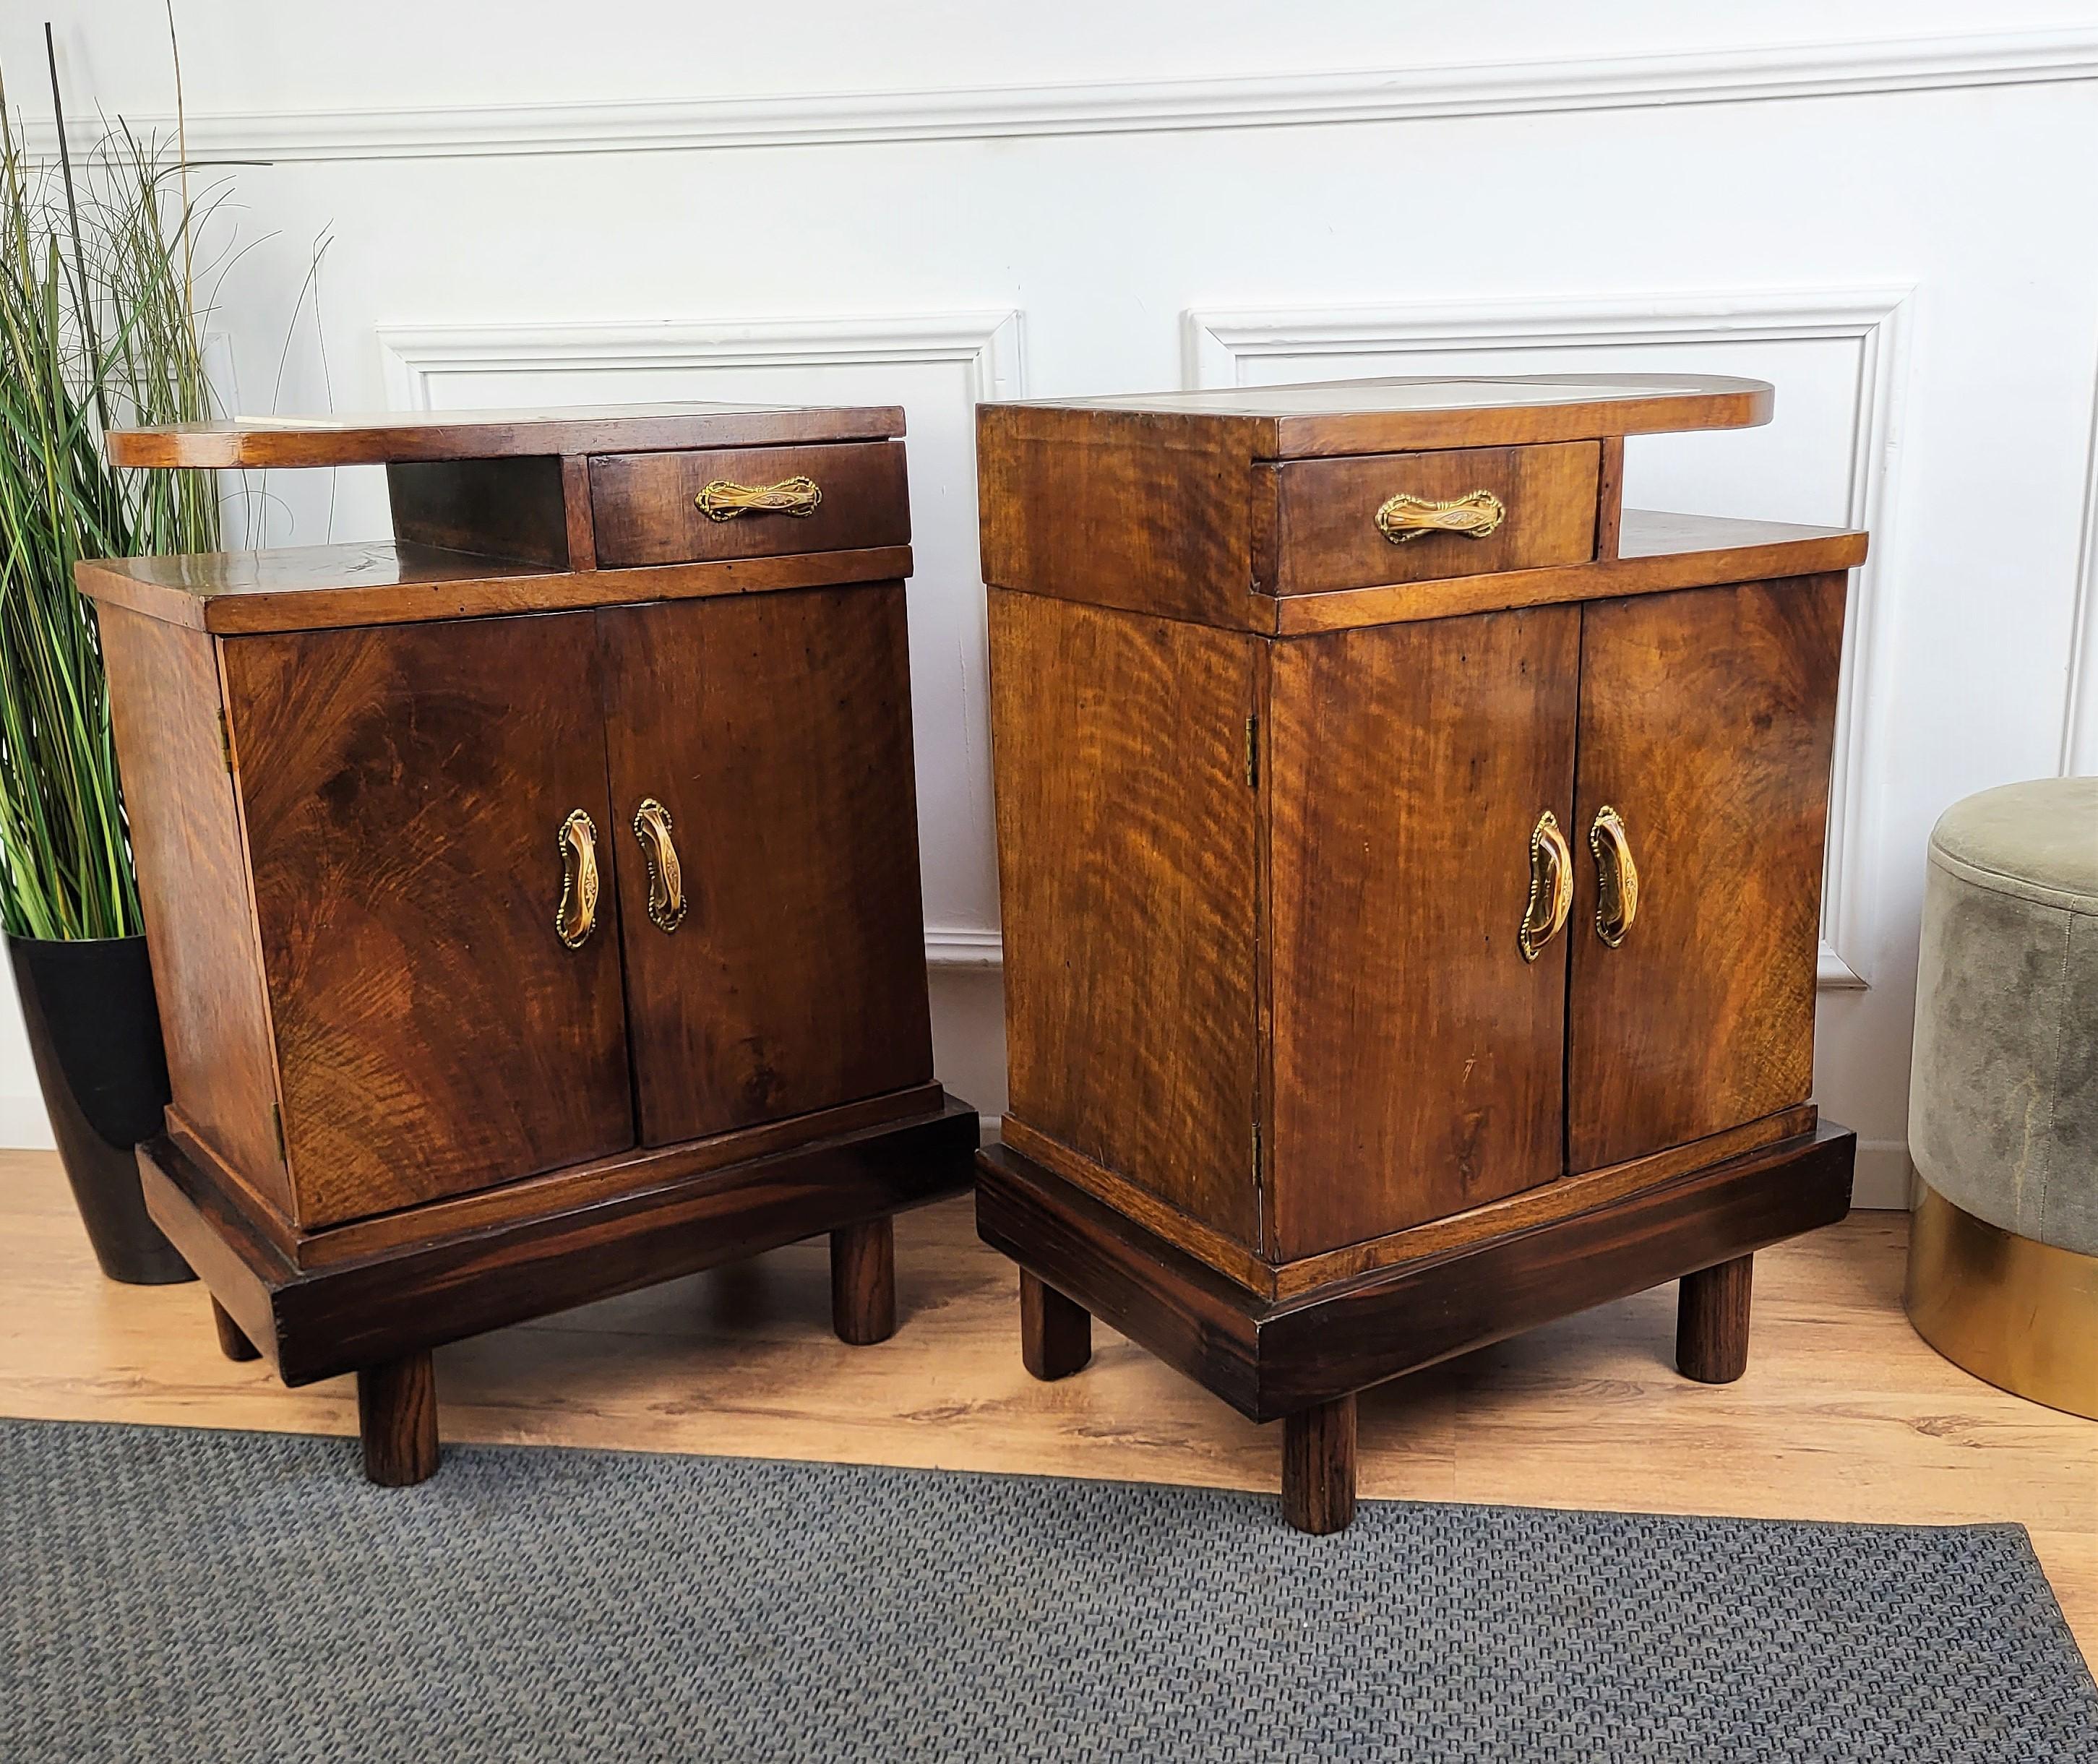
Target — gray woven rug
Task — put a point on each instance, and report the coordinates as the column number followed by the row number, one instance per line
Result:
column 169, row 1594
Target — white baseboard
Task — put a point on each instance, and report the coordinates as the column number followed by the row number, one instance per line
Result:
column 23, row 1122
column 963, row 946
column 1882, row 1181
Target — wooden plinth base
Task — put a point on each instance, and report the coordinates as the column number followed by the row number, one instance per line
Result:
column 378, row 1316
column 1303, row 1357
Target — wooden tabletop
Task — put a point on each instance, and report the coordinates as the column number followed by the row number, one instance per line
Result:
column 379, row 437
column 1398, row 415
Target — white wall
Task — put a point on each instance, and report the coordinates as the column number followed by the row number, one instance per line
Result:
column 1885, row 209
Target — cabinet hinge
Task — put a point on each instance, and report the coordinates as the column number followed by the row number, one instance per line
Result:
column 277, row 1126
column 224, row 740
column 1252, row 753
column 1256, row 1154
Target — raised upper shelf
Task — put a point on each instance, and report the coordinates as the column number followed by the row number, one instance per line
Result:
column 307, row 587
column 391, row 436
column 310, row 587
column 1402, row 415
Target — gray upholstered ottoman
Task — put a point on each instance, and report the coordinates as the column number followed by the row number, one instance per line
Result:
column 2003, row 1109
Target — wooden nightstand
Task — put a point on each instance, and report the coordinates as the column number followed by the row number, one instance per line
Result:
column 534, row 901
column 1411, row 873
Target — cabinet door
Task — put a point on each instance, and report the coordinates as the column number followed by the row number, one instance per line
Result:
column 1418, row 1055
column 773, row 731
column 1706, row 718
column 404, row 788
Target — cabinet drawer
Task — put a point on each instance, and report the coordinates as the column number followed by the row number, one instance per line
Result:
column 1366, row 521
column 758, row 501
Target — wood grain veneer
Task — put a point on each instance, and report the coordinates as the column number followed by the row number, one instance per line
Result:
column 510, row 509
column 390, row 438
column 453, row 1042
column 1711, row 1322
column 1406, row 415
column 1318, row 1467
column 644, row 508
column 1055, row 1335
column 185, row 821
column 1528, row 1208
column 318, row 587
column 1269, row 1358
column 1144, row 512
column 642, row 1167
column 397, row 1414
column 1370, row 938
column 1314, row 521
column 1609, row 498
column 775, row 730
column 433, row 1035
column 1128, row 847
column 318, row 1322
column 1407, row 765
column 863, row 1282
column 1656, row 553
column 1706, row 720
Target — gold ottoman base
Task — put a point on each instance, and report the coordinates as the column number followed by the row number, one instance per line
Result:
column 2021, row 1314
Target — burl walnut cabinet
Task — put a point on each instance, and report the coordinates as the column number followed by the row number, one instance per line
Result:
column 534, row 900
column 1411, row 870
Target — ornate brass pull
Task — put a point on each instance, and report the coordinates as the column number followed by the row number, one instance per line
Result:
column 576, row 918
column 1617, row 876
column 1405, row 517
column 722, row 500
column 666, row 876
column 1550, row 887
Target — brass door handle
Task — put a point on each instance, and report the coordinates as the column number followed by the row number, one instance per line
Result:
column 1617, row 875
column 666, row 876
column 576, row 918
column 1550, row 887
column 1402, row 517
column 722, row 500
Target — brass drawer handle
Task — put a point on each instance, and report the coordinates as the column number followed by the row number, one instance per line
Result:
column 1617, row 876
column 666, row 876
column 1550, row 887
column 576, row 918
column 1405, row 517
column 722, row 500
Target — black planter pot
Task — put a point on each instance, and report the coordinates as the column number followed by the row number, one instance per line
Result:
column 94, row 1034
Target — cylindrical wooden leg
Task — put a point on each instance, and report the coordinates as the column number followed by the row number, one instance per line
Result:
column 233, row 1342
column 1318, row 1467
column 397, row 1413
column 863, row 1282
column 1055, row 1335
column 1712, row 1323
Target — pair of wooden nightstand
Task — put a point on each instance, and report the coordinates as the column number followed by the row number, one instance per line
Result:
column 1409, row 864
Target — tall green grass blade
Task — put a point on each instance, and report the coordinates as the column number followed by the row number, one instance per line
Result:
column 97, row 327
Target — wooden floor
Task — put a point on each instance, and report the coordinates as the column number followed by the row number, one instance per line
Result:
column 1844, row 1414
